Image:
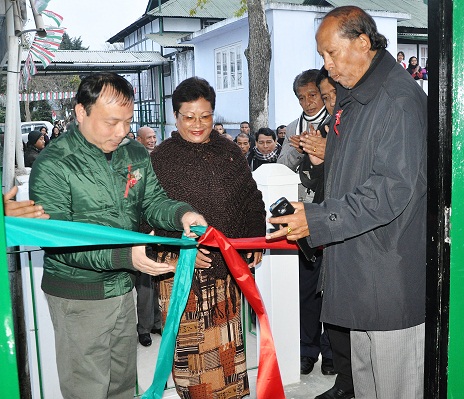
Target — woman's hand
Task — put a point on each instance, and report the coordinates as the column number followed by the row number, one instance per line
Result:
column 202, row 261
column 253, row 258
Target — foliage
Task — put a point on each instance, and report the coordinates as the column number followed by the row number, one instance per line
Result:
column 39, row 110
column 71, row 43
column 202, row 3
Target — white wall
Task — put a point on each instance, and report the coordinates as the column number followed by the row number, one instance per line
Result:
column 231, row 106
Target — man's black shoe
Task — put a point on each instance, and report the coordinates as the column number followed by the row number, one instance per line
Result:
column 145, row 339
column 335, row 393
column 327, row 366
column 156, row 331
column 307, row 364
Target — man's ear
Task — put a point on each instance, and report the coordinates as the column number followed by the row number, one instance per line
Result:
column 365, row 42
column 80, row 112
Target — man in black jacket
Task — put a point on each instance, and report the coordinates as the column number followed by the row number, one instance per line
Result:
column 373, row 218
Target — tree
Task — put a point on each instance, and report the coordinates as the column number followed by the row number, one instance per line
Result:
column 258, row 55
column 71, row 43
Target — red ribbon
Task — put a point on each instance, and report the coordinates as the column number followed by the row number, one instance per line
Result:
column 269, row 382
column 338, row 115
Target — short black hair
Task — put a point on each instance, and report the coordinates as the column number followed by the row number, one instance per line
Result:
column 354, row 21
column 93, row 85
column 192, row 89
column 305, row 77
column 267, row 132
column 323, row 75
column 280, row 127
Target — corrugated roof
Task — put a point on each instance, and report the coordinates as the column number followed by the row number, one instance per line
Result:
column 84, row 60
column 169, row 39
column 416, row 8
column 213, row 9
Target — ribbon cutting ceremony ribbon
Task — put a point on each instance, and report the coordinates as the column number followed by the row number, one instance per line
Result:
column 56, row 233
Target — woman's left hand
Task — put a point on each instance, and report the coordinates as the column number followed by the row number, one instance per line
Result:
column 202, row 261
column 256, row 256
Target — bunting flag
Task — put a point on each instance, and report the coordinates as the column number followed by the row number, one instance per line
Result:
column 55, row 233
column 27, row 72
column 53, row 15
column 43, row 48
column 50, row 95
column 40, row 5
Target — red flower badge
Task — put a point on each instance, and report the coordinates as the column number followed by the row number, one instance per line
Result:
column 132, row 179
column 338, row 115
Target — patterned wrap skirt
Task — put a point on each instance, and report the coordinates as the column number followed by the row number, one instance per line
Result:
column 209, row 359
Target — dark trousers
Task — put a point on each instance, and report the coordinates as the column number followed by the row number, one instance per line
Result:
column 341, row 350
column 148, row 311
column 311, row 341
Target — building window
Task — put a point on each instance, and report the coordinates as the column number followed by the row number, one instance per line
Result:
column 424, row 55
column 229, row 68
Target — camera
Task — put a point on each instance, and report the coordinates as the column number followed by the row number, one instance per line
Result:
column 283, row 207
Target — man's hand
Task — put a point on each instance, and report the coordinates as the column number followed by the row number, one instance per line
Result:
column 314, row 144
column 202, row 261
column 24, row 209
column 295, row 142
column 146, row 265
column 297, row 225
column 192, row 219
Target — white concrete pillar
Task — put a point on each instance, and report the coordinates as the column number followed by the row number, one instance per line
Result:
column 277, row 276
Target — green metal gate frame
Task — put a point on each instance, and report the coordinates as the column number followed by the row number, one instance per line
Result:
column 9, row 380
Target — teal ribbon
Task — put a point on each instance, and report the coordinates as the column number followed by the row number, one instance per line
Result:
column 58, row 233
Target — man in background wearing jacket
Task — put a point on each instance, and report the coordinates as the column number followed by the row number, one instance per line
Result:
column 102, row 178
column 373, row 218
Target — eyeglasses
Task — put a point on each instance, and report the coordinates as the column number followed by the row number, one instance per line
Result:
column 191, row 119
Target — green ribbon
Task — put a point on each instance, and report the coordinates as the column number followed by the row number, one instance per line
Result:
column 58, row 233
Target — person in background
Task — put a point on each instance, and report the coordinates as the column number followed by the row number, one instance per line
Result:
column 131, row 135
column 245, row 128
column 219, row 127
column 55, row 132
column 281, row 131
column 373, row 219
column 414, row 69
column 267, row 149
column 228, row 136
column 213, row 177
column 147, row 137
column 100, row 177
column 35, row 144
column 400, row 59
column 243, row 141
column 309, row 165
column 425, row 71
column 44, row 131
column 148, row 310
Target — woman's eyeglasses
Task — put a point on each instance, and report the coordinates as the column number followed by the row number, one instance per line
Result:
column 191, row 119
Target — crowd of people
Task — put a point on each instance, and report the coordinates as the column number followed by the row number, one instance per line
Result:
column 361, row 206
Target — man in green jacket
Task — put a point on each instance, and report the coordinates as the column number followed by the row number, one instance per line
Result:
column 94, row 175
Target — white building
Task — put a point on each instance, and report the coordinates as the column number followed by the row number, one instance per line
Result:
column 211, row 44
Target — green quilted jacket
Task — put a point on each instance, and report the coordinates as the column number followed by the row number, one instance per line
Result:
column 73, row 180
